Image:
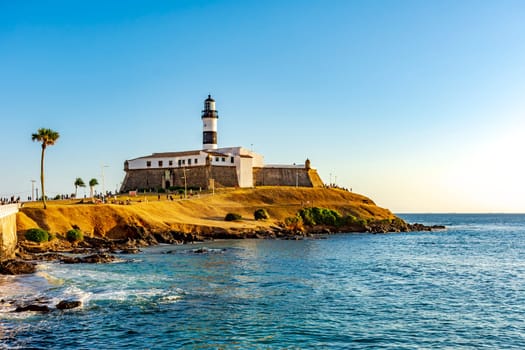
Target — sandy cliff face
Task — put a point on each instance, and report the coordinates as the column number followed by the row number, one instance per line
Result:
column 202, row 214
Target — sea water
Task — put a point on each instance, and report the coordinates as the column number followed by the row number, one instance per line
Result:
column 461, row 288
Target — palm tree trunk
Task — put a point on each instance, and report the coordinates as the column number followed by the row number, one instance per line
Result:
column 42, row 176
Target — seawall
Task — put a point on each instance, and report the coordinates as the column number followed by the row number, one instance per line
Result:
column 8, row 237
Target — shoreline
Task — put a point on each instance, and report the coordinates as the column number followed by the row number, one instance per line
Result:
column 101, row 250
column 106, row 251
column 148, row 220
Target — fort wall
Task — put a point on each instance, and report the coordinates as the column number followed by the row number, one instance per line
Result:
column 286, row 176
column 196, row 176
column 223, row 176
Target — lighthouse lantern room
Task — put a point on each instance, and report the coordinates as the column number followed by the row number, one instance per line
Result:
column 209, row 124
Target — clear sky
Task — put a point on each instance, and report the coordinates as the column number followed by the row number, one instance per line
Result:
column 419, row 105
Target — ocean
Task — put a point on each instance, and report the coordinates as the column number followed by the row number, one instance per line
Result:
column 461, row 288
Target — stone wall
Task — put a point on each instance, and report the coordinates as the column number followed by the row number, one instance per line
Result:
column 8, row 237
column 302, row 177
column 196, row 176
column 224, row 176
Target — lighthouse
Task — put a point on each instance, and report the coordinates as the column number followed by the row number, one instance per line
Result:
column 209, row 124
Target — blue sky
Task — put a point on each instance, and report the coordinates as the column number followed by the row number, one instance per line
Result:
column 418, row 104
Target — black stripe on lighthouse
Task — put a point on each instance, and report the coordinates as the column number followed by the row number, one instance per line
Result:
column 209, row 137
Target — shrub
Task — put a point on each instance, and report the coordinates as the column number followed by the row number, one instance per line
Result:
column 294, row 223
column 74, row 235
column 261, row 214
column 232, row 217
column 349, row 220
column 37, row 235
column 320, row 216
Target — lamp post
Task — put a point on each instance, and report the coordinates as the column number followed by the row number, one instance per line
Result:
column 185, row 183
column 33, row 190
column 103, row 186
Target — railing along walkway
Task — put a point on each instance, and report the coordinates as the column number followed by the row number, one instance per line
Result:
column 8, row 209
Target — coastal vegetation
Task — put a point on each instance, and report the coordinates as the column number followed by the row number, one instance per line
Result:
column 47, row 137
column 92, row 183
column 320, row 216
column 78, row 183
column 233, row 217
column 261, row 214
column 74, row 235
column 149, row 218
column 37, row 235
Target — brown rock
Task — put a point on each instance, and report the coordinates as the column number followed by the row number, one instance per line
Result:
column 98, row 258
column 66, row 304
column 33, row 307
column 16, row 267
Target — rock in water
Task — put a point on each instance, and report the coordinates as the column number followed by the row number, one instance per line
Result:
column 67, row 304
column 32, row 307
column 101, row 258
column 16, row 267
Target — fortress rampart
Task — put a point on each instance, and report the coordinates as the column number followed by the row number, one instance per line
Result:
column 200, row 176
column 286, row 176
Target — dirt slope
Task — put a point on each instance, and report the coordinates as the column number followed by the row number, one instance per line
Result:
column 203, row 213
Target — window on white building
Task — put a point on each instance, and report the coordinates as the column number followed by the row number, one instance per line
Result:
column 160, row 163
column 148, row 163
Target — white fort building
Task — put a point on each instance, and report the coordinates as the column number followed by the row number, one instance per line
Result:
column 213, row 167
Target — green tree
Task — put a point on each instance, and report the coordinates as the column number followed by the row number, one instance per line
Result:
column 78, row 183
column 47, row 137
column 92, row 183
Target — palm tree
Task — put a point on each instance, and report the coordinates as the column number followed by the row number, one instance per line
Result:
column 92, row 184
column 47, row 137
column 78, row 183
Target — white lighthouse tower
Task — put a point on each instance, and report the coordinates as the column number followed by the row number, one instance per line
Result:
column 209, row 124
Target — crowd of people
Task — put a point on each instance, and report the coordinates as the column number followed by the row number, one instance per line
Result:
column 7, row 200
column 338, row 187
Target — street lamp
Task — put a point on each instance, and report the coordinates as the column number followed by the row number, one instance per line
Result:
column 103, row 186
column 185, row 183
column 33, row 190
